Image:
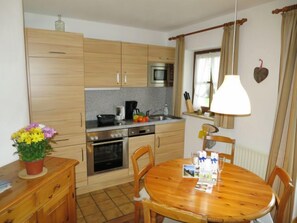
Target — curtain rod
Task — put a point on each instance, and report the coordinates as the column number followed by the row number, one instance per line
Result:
column 284, row 9
column 240, row 22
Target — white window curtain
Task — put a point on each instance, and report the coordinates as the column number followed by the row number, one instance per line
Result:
column 207, row 66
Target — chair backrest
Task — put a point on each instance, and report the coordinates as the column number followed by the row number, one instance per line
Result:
column 281, row 201
column 139, row 173
column 170, row 212
column 222, row 139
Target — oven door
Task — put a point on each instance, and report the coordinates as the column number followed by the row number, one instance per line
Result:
column 105, row 156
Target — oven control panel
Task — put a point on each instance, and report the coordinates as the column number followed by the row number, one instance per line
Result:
column 106, row 135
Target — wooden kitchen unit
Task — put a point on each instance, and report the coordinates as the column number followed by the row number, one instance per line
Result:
column 161, row 54
column 134, row 65
column 50, row 198
column 169, row 141
column 55, row 70
column 102, row 59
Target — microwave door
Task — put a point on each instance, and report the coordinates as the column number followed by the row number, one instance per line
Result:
column 160, row 75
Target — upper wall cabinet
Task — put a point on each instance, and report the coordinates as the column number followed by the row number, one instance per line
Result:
column 134, row 65
column 102, row 61
column 114, row 64
column 161, row 54
column 45, row 43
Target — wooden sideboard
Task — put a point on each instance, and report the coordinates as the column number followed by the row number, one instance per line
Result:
column 50, row 198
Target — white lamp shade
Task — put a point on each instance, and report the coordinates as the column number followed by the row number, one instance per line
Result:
column 231, row 98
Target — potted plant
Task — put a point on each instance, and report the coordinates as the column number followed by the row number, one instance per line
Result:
column 33, row 144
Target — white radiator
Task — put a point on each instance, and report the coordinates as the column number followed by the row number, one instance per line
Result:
column 252, row 160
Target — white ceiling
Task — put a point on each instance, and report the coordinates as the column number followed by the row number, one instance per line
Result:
column 162, row 15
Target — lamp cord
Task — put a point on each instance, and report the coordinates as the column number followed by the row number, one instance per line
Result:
column 234, row 37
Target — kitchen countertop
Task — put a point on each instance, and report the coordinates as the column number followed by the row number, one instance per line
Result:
column 91, row 125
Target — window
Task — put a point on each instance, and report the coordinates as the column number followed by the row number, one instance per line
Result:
column 206, row 73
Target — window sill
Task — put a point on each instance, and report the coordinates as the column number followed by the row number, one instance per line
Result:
column 194, row 114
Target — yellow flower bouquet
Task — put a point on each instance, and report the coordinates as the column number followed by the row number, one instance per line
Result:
column 33, row 142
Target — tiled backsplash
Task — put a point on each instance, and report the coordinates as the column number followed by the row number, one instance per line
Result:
column 105, row 101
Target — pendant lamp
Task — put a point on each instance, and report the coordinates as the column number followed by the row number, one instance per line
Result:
column 231, row 98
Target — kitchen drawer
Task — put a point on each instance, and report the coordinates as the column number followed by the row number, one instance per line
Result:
column 170, row 127
column 62, row 140
column 53, row 188
column 20, row 211
column 49, row 43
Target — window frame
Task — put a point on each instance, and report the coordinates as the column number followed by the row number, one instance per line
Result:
column 194, row 67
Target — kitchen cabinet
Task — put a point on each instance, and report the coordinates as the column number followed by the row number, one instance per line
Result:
column 78, row 152
column 161, row 54
column 134, row 144
column 102, row 61
column 114, row 64
column 169, row 141
column 55, row 72
column 134, row 65
column 50, row 198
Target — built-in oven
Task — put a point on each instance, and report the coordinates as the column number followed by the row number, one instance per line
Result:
column 107, row 150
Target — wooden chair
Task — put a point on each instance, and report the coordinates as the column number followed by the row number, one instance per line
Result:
column 221, row 139
column 151, row 208
column 139, row 172
column 281, row 202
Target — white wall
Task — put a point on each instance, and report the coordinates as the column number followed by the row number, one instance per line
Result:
column 259, row 38
column 98, row 30
column 13, row 85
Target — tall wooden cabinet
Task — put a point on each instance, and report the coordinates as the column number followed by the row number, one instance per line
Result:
column 169, row 141
column 56, row 90
column 50, row 198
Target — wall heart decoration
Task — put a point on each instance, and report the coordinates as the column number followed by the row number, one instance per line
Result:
column 260, row 73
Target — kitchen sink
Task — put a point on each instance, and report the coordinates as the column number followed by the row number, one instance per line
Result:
column 162, row 117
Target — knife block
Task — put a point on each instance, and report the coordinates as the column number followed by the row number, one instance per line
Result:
column 189, row 105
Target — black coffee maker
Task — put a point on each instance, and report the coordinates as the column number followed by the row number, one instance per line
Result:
column 130, row 106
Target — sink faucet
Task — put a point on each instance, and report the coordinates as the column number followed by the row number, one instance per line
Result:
column 154, row 112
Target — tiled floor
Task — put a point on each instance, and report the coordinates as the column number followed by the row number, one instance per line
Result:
column 106, row 205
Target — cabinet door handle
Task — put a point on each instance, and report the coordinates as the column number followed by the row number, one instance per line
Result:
column 158, row 142
column 82, row 155
column 125, row 79
column 118, row 78
column 80, row 119
column 56, row 52
column 61, row 140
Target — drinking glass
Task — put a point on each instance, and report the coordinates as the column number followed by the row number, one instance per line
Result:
column 221, row 162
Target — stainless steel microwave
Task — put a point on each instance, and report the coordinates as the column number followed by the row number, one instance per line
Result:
column 160, row 75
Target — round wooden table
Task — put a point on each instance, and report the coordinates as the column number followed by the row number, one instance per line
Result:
column 240, row 195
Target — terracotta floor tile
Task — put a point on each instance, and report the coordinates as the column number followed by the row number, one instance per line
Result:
column 97, row 192
column 127, row 189
column 111, row 188
column 105, row 205
column 85, row 201
column 127, row 208
column 95, row 218
column 100, row 197
column 112, row 213
column 82, row 195
column 114, row 193
column 130, row 196
column 81, row 220
column 90, row 210
column 120, row 200
column 79, row 213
